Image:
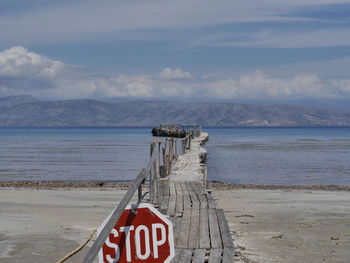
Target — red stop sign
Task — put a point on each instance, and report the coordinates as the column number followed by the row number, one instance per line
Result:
column 141, row 235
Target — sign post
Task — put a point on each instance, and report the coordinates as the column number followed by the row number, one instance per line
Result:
column 142, row 234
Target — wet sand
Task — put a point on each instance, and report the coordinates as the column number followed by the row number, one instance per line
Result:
column 288, row 225
column 44, row 223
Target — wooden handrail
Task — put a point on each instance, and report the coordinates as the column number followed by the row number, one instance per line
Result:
column 117, row 212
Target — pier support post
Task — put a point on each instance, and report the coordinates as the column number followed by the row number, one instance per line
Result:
column 205, row 176
column 156, row 181
column 176, row 154
column 171, row 154
column 152, row 173
column 165, row 159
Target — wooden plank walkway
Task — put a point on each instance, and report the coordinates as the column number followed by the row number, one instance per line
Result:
column 201, row 232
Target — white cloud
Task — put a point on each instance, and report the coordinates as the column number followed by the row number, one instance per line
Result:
column 25, row 72
column 343, row 86
column 19, row 62
column 169, row 73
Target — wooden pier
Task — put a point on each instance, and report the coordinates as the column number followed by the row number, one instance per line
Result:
column 177, row 179
column 201, row 231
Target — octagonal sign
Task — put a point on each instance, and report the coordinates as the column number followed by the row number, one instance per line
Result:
column 142, row 234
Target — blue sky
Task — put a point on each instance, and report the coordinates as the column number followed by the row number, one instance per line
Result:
column 260, row 49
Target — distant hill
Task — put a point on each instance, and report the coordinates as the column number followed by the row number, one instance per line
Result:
column 28, row 111
column 14, row 100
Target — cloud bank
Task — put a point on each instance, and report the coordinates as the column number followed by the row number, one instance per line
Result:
column 26, row 72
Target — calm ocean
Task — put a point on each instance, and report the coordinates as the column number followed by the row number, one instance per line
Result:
column 289, row 156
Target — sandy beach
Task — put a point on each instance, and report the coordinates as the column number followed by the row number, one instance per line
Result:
column 43, row 224
column 288, row 225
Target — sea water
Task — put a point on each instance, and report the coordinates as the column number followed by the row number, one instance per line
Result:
column 73, row 154
column 280, row 156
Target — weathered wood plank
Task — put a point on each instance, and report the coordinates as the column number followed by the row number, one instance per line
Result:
column 176, row 228
column 228, row 255
column 215, row 237
column 179, row 199
column 161, row 189
column 204, row 238
column 211, row 201
column 166, row 188
column 164, row 205
column 186, row 197
column 202, row 198
column 193, row 239
column 193, row 195
column 201, row 190
column 199, row 256
column 186, row 218
column 184, row 230
column 177, row 256
column 215, row 255
column 186, row 256
column 224, row 229
column 172, row 199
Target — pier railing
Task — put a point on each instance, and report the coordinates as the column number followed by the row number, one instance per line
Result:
column 163, row 154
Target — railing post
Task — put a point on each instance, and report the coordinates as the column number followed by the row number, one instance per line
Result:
column 176, row 148
column 159, row 146
column 172, row 148
column 156, row 172
column 151, row 149
column 171, row 153
column 165, row 158
column 156, row 176
column 139, row 194
column 151, row 186
column 184, row 145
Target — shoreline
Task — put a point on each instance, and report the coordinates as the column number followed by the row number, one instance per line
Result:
column 43, row 221
column 124, row 185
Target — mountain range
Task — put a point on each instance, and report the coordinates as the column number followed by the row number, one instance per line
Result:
column 27, row 111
